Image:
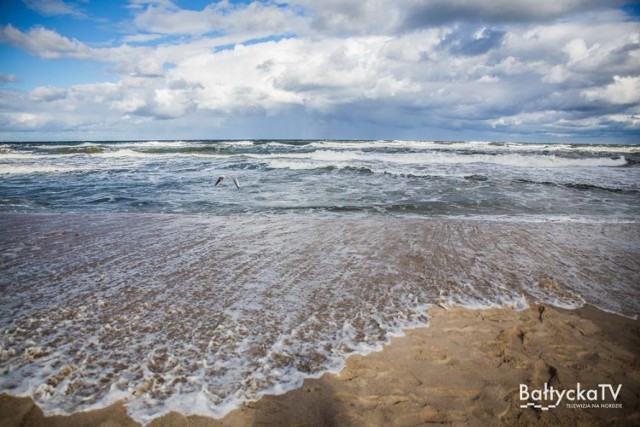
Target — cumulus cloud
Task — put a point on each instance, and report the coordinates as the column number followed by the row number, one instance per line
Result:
column 556, row 74
column 476, row 66
column 221, row 17
column 623, row 90
column 47, row 94
column 132, row 60
column 23, row 121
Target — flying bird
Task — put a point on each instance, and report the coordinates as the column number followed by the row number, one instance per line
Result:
column 222, row 177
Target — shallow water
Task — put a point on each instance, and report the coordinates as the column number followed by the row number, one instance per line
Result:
column 198, row 313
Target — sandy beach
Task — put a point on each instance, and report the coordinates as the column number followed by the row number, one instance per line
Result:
column 466, row 368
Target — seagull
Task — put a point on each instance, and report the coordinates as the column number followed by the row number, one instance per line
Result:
column 221, row 177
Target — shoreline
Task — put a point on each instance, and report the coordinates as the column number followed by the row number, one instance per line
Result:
column 465, row 368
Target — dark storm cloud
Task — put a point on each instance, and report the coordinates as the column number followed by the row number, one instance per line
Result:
column 430, row 13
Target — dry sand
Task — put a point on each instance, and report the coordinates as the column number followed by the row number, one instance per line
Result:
column 465, row 369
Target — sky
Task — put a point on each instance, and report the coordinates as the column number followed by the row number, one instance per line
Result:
column 491, row 70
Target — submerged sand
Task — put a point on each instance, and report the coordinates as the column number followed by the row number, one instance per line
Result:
column 464, row 369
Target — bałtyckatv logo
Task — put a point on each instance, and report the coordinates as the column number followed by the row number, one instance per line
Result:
column 603, row 396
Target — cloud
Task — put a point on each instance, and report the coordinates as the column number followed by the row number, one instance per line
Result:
column 392, row 81
column 577, row 50
column 133, row 60
column 7, row 78
column 23, row 121
column 53, row 8
column 349, row 66
column 220, row 18
column 44, row 43
column 556, row 74
column 426, row 13
column 141, row 38
column 623, row 90
column 47, row 94
column 350, row 17
column 392, row 17
column 478, row 43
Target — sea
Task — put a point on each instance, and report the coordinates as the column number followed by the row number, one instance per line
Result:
column 127, row 273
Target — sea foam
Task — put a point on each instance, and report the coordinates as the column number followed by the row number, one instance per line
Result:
column 198, row 314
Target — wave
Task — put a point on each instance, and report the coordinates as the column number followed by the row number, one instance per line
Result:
column 428, row 152
column 18, row 155
column 546, row 218
column 179, row 144
column 89, row 149
column 239, row 143
column 476, row 177
column 577, row 186
column 151, row 144
column 338, row 158
column 39, row 169
column 111, row 199
column 476, row 145
column 388, row 170
column 120, row 149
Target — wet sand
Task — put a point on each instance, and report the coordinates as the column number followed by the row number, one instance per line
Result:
column 464, row 369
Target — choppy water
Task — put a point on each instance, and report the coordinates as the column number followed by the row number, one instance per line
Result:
column 418, row 177
column 126, row 274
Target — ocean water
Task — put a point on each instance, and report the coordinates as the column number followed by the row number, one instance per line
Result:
column 125, row 273
column 412, row 177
